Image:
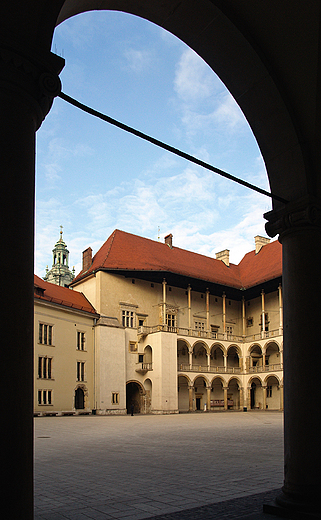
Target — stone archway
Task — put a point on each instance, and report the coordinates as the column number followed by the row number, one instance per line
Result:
column 135, row 397
column 267, row 57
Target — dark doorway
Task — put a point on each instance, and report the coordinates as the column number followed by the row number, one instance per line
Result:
column 253, row 388
column 133, row 397
column 198, row 403
column 79, row 399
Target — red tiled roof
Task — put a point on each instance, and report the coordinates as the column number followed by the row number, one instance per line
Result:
column 124, row 251
column 263, row 266
column 61, row 295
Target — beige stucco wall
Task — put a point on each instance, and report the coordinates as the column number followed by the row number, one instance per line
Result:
column 63, row 351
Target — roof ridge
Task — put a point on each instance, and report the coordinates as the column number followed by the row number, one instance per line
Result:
column 112, row 237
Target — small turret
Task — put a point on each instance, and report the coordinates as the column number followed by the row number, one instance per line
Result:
column 60, row 274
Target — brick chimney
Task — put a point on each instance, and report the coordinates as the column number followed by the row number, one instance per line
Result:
column 260, row 242
column 87, row 258
column 224, row 256
column 169, row 240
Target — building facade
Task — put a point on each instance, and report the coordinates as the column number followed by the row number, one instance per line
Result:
column 179, row 332
column 64, row 339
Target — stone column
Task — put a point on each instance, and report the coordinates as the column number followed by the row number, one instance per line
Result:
column 208, row 391
column 189, row 299
column 190, row 357
column 224, row 312
column 249, row 397
column 242, row 405
column 299, row 227
column 28, row 84
column 264, row 396
column 281, row 398
column 207, row 310
column 190, row 398
column 225, row 388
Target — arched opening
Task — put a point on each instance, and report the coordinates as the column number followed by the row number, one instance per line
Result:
column 199, row 357
column 217, row 358
column 256, row 394
column 272, row 357
column 134, row 398
column 148, row 358
column 79, row 399
column 182, row 355
column 217, row 394
column 200, row 395
column 256, row 359
column 273, row 393
column 233, row 360
column 233, row 394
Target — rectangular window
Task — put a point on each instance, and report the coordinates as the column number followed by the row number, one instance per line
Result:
column 269, row 391
column 44, row 367
column 44, row 397
column 114, row 398
column 133, row 346
column 171, row 320
column 214, row 331
column 128, row 318
column 80, row 370
column 80, row 340
column 45, row 334
column 229, row 329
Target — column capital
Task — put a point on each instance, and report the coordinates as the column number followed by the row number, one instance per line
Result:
column 31, row 76
column 294, row 216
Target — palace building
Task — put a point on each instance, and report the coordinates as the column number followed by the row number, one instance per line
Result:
column 152, row 328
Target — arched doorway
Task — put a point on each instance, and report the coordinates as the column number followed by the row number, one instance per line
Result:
column 79, row 399
column 200, row 394
column 134, row 397
column 256, row 394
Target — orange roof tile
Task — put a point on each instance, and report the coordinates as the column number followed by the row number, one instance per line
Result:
column 125, row 251
column 61, row 295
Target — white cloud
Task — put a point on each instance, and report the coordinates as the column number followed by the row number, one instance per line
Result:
column 194, row 80
column 138, row 60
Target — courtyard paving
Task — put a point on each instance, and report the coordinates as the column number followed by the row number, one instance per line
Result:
column 189, row 466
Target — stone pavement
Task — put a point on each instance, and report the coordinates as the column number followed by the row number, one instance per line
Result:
column 168, row 467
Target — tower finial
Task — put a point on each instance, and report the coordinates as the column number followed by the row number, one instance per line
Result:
column 61, row 228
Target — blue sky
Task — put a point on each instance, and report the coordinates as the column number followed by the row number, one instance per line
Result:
column 93, row 178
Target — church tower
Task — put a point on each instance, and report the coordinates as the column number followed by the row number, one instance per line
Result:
column 60, row 274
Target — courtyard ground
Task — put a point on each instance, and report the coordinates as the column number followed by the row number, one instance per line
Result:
column 108, row 467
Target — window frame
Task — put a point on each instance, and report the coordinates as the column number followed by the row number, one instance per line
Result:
column 45, row 333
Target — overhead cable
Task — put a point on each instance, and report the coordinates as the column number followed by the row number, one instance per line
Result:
column 167, row 147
